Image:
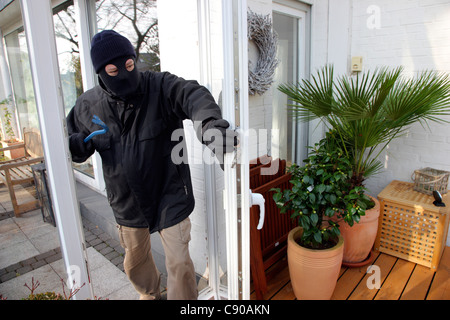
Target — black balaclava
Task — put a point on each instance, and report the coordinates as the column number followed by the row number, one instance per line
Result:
column 125, row 83
column 109, row 47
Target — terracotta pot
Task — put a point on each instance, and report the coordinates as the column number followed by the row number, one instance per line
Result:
column 313, row 273
column 14, row 153
column 359, row 238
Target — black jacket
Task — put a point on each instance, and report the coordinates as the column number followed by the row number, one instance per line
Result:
column 144, row 187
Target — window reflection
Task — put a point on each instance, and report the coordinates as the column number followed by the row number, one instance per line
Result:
column 22, row 82
column 69, row 64
column 68, row 53
column 136, row 20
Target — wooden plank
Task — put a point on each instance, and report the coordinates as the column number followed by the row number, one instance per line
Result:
column 256, row 258
column 28, row 206
column 18, row 173
column 398, row 277
column 418, row 284
column 343, row 269
column 286, row 293
column 280, row 279
column 347, row 282
column 440, row 288
column 25, row 162
column 362, row 292
column 12, row 147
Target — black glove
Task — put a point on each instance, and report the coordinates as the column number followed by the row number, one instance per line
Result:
column 219, row 138
column 78, row 147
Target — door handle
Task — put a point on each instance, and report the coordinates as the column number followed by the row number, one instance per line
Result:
column 258, row 200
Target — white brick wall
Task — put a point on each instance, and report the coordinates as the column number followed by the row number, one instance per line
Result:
column 411, row 33
column 416, row 35
column 260, row 106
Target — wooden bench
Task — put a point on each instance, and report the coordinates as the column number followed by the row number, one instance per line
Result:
column 18, row 171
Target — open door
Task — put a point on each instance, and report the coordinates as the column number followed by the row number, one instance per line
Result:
column 237, row 195
column 232, row 283
column 237, row 198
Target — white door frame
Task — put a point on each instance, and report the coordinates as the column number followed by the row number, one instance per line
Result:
column 215, row 290
column 39, row 30
column 235, row 110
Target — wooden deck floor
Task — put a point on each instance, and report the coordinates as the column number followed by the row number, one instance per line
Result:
column 400, row 280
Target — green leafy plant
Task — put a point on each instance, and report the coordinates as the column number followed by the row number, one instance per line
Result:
column 321, row 196
column 8, row 127
column 369, row 110
column 7, row 120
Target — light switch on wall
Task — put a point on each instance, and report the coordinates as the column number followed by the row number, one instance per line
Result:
column 357, row 64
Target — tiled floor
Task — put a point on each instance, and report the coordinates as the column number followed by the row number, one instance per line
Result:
column 29, row 249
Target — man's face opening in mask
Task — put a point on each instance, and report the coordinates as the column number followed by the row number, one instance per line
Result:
column 121, row 77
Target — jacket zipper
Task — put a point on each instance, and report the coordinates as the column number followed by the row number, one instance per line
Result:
column 182, row 180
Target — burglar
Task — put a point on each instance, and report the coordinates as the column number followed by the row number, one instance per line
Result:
column 147, row 191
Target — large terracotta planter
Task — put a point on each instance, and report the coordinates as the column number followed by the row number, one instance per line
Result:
column 313, row 273
column 359, row 238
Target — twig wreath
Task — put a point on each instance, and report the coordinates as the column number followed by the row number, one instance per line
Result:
column 261, row 33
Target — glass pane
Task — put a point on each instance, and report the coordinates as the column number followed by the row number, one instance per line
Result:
column 68, row 53
column 286, row 72
column 22, row 82
column 217, row 77
column 69, row 64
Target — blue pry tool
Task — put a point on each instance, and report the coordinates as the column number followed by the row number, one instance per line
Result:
column 105, row 129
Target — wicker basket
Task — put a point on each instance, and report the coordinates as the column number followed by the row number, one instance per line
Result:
column 427, row 180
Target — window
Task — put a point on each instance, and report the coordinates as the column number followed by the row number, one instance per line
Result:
column 136, row 20
column 69, row 64
column 68, row 53
column 22, row 83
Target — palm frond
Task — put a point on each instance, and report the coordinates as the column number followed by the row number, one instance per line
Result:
column 371, row 109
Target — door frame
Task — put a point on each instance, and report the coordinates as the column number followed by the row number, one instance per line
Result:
column 301, row 131
column 237, row 172
column 39, row 31
column 215, row 290
column 236, row 193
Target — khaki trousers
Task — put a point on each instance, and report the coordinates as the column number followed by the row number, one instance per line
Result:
column 141, row 269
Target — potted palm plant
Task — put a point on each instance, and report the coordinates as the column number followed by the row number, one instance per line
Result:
column 366, row 112
column 321, row 199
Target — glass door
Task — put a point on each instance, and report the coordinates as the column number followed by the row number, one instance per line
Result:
column 223, row 42
column 237, row 190
column 23, row 97
column 290, row 138
column 231, row 249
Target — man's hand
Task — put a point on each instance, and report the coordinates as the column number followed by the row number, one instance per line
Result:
column 77, row 145
column 219, row 138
